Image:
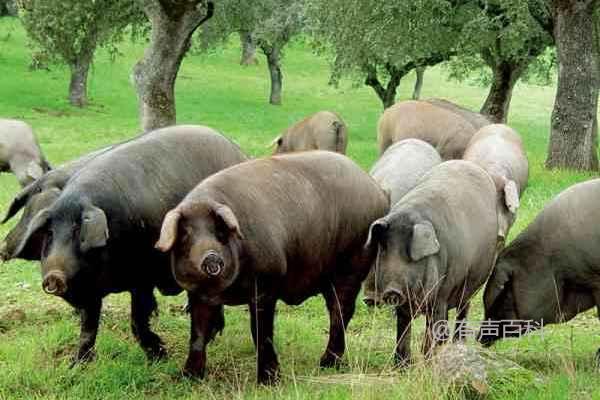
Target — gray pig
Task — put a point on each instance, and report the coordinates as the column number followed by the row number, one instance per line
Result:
column 551, row 271
column 321, row 131
column 282, row 228
column 20, row 152
column 442, row 128
column 436, row 247
column 498, row 149
column 399, row 170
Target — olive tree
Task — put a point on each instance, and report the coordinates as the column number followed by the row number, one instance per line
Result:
column 378, row 42
column 271, row 24
column 504, row 38
column 70, row 31
column 173, row 23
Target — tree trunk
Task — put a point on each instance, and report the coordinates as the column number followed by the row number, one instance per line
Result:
column 173, row 23
column 573, row 136
column 80, row 67
column 273, row 55
column 3, row 8
column 248, row 49
column 418, row 83
column 506, row 74
column 79, row 77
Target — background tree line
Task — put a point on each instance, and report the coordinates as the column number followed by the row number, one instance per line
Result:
column 371, row 42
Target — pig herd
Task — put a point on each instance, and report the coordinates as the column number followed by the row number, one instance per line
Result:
column 182, row 208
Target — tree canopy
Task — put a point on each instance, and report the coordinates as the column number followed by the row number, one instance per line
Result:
column 69, row 31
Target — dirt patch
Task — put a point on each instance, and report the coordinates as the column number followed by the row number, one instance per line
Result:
column 52, row 113
column 10, row 318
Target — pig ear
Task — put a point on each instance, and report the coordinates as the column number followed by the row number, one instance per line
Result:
column 496, row 284
column 376, row 232
column 276, row 142
column 37, row 223
column 226, row 215
column 168, row 232
column 424, row 241
column 34, row 171
column 511, row 196
column 20, row 200
column 94, row 229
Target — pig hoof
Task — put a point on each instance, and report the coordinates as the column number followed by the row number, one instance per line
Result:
column 157, row 353
column 193, row 371
column 83, row 358
column 269, row 376
column 330, row 361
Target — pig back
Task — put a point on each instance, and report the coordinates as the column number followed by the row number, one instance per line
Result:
column 139, row 181
column 402, row 166
column 445, row 130
column 566, row 232
column 302, row 210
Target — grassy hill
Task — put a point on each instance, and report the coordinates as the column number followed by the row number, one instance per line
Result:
column 38, row 333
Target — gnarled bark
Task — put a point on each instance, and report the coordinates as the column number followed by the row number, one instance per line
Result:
column 173, row 23
column 248, row 45
column 506, row 74
column 574, row 135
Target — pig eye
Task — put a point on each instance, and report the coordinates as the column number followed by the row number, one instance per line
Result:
column 213, row 264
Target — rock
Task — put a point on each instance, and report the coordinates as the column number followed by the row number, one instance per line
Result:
column 473, row 367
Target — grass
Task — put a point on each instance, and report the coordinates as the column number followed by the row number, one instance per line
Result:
column 38, row 333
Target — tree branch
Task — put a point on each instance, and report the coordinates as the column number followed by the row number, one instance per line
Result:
column 373, row 81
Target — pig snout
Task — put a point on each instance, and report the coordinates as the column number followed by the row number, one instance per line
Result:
column 55, row 283
column 393, row 297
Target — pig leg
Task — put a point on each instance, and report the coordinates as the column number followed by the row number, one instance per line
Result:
column 143, row 305
column 90, row 320
column 403, row 328
column 460, row 326
column 262, row 316
column 436, row 331
column 207, row 321
column 340, row 298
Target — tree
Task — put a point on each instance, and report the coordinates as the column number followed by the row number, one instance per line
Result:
column 273, row 33
column 173, row 22
column 510, row 35
column 273, row 24
column 248, row 44
column 517, row 27
column 378, row 43
column 574, row 130
column 69, row 31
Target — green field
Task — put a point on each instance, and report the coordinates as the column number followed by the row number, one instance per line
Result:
column 39, row 333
